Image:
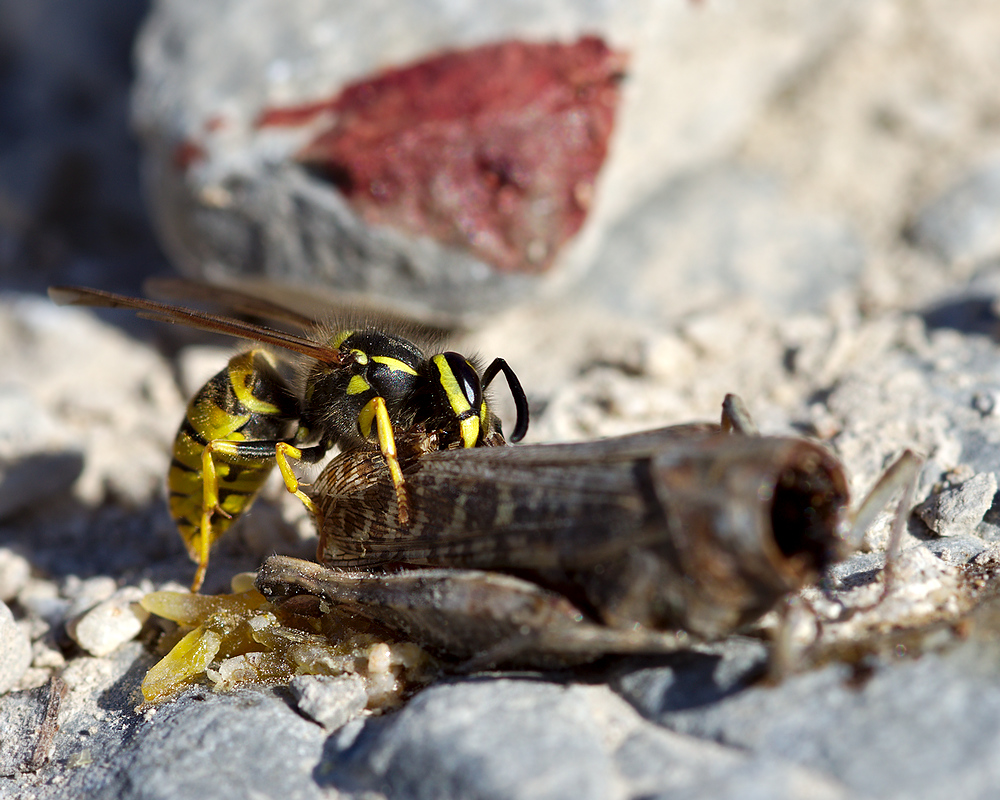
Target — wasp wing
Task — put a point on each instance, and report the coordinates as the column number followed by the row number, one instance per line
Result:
column 216, row 323
column 229, row 298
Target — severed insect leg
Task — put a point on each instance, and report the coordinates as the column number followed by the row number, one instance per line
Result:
column 736, row 417
column 480, row 618
column 900, row 476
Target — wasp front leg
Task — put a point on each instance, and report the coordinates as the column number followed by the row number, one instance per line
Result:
column 376, row 413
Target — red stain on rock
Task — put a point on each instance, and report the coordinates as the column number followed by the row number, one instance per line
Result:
column 293, row 116
column 186, row 154
column 494, row 149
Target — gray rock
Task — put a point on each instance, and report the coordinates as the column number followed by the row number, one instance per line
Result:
column 960, row 225
column 857, row 570
column 230, row 202
column 959, row 509
column 109, row 624
column 532, row 739
column 15, row 570
column 959, row 549
column 236, row 745
column 879, row 735
column 527, row 739
column 679, row 767
column 331, row 701
column 15, row 650
column 259, row 746
column 716, row 236
column 21, row 717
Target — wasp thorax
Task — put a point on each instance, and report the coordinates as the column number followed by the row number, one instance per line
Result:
column 375, row 368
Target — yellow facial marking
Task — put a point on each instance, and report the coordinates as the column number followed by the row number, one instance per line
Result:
column 395, row 364
column 468, row 422
column 360, row 356
column 456, row 397
column 339, row 338
column 358, row 385
column 470, row 431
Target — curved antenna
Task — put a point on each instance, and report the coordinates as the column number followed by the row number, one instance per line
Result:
column 165, row 312
column 520, row 401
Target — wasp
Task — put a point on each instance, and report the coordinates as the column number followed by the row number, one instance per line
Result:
column 550, row 554
column 358, row 386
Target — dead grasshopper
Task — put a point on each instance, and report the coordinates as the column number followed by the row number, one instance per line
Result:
column 554, row 554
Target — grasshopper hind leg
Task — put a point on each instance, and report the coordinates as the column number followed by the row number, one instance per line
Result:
column 901, row 476
column 787, row 656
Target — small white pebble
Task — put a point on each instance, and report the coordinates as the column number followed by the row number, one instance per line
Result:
column 41, row 599
column 379, row 658
column 86, row 593
column 330, row 700
column 14, row 573
column 111, row 623
column 44, row 656
column 15, row 651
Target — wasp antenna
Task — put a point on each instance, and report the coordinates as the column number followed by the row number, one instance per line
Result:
column 901, row 475
column 520, row 401
column 736, row 416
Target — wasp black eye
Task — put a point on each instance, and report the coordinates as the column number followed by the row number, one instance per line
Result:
column 466, row 377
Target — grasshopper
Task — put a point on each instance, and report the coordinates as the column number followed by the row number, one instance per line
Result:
column 555, row 554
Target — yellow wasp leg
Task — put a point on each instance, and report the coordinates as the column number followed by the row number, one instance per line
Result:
column 387, row 444
column 210, row 502
column 209, row 506
column 282, row 452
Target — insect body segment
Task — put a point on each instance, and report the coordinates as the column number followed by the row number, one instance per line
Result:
column 371, row 385
column 211, row 482
column 360, row 386
column 551, row 554
column 463, row 393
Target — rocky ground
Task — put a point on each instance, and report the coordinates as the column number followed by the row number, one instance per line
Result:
column 799, row 205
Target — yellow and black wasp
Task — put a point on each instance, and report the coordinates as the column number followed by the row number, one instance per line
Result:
column 357, row 386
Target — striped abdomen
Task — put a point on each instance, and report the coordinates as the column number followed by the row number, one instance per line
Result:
column 247, row 401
